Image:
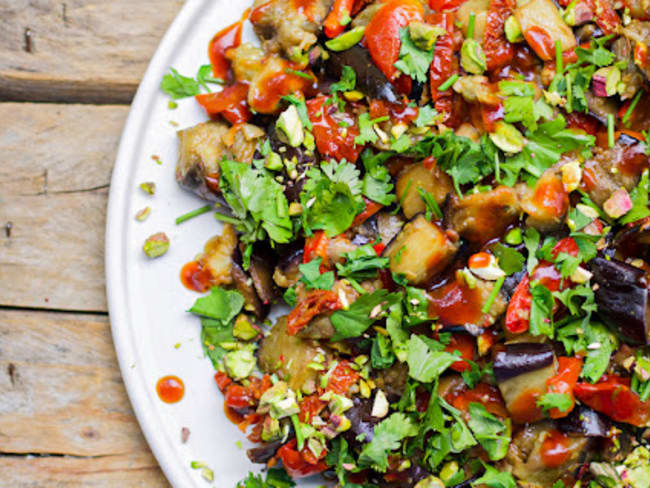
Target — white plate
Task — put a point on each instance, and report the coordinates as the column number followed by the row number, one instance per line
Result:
column 147, row 302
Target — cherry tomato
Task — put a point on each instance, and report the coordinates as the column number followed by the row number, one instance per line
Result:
column 231, row 103
column 518, row 312
column 316, row 302
column 383, row 32
column 568, row 372
column 223, row 380
column 555, row 449
column 487, row 395
column 341, row 8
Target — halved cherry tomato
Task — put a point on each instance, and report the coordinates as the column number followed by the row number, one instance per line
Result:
column 231, row 103
column 498, row 51
column 332, row 25
column 239, row 397
column 383, row 32
column 613, row 397
column 371, row 209
column 568, row 372
column 316, row 302
column 465, row 344
column 332, row 139
column 555, row 450
column 342, row 378
column 295, row 464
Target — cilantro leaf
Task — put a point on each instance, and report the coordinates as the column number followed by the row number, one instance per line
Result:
column 331, row 198
column 381, row 353
column 366, row 130
column 312, row 277
column 362, row 263
column 531, row 241
column 257, row 202
column 362, row 314
column 413, row 61
column 387, row 437
column 204, row 76
column 376, row 183
column 602, row 346
column 275, row 478
column 399, row 337
column 222, row 305
column 337, row 457
column 578, row 219
column 639, row 196
column 426, row 365
column 541, row 310
column 213, row 334
column 568, row 298
column 561, row 401
column 427, row 115
column 511, row 261
column 495, row 478
column 290, row 296
column 489, row 431
column 178, row 86
column 595, row 54
column 301, row 106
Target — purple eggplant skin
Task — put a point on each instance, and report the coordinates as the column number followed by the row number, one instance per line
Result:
column 586, row 422
column 370, row 80
column 520, row 358
column 265, row 451
column 361, row 421
column 622, row 298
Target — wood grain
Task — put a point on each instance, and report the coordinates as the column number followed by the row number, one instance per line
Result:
column 57, row 161
column 92, row 51
column 63, row 396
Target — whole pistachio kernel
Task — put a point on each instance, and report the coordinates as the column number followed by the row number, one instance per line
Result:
column 156, row 245
column 149, row 187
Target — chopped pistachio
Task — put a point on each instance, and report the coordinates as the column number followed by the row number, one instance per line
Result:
column 581, row 275
column 472, row 57
column 507, row 138
column 605, row 81
column 642, row 369
column 513, row 29
column 142, row 214
column 243, row 329
column 171, row 105
column 448, row 470
column 295, row 208
column 271, row 429
column 156, row 245
column 279, row 401
column 273, row 162
column 514, row 237
column 424, row 35
column 149, row 187
column 353, row 95
column 197, row 464
column 364, row 389
column 430, row 482
column 346, row 40
column 571, row 175
column 618, row 204
column 207, row 474
column 380, row 406
column 241, row 362
column 289, row 124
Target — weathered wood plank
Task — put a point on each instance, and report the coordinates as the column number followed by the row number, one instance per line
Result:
column 79, row 50
column 54, row 177
column 62, row 389
column 124, row 471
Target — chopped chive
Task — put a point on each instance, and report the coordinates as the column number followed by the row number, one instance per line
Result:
column 493, row 295
column 306, row 76
column 430, row 202
column 300, row 438
column 355, row 284
column 470, row 26
column 559, row 66
column 226, row 218
column 193, row 213
column 448, row 82
column 630, row 109
column 610, row 130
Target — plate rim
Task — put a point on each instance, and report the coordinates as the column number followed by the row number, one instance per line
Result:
column 115, row 247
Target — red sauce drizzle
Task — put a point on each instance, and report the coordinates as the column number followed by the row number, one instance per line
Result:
column 541, row 42
column 195, row 278
column 524, row 409
column 225, row 39
column 456, row 304
column 305, row 7
column 265, row 94
column 170, row 389
column 555, row 449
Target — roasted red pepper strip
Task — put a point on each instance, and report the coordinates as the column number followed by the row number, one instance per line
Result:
column 332, row 139
column 440, row 5
column 231, row 103
column 371, row 209
column 444, row 64
column 316, row 302
column 382, row 33
column 294, row 463
column 604, row 15
column 498, row 51
column 342, row 378
column 613, row 397
column 341, row 8
column 311, row 406
column 564, row 381
column 463, row 343
column 222, row 380
column 316, row 247
column 518, row 312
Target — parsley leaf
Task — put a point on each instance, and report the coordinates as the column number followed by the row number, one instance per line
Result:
column 331, row 198
column 426, row 365
column 561, row 401
column 222, row 305
column 257, row 202
column 489, row 431
column 511, row 261
column 362, row 314
column 178, row 86
column 413, row 61
column 312, row 277
column 387, row 437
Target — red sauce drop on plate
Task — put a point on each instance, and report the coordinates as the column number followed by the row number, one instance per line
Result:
column 170, row 389
column 555, row 449
column 195, row 278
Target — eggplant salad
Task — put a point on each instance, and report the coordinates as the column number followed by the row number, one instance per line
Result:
column 452, row 199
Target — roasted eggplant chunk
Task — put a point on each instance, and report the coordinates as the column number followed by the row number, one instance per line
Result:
column 622, row 298
column 586, row 422
column 416, row 177
column 420, row 250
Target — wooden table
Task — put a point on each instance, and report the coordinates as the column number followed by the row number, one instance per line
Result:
column 68, row 70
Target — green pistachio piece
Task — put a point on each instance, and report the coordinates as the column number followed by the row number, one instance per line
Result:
column 430, row 482
column 156, row 245
column 149, row 187
column 273, row 162
column 507, row 138
column 240, row 363
column 346, row 40
column 513, row 30
column 142, row 214
column 243, row 329
column 472, row 57
column 290, row 125
column 424, row 35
